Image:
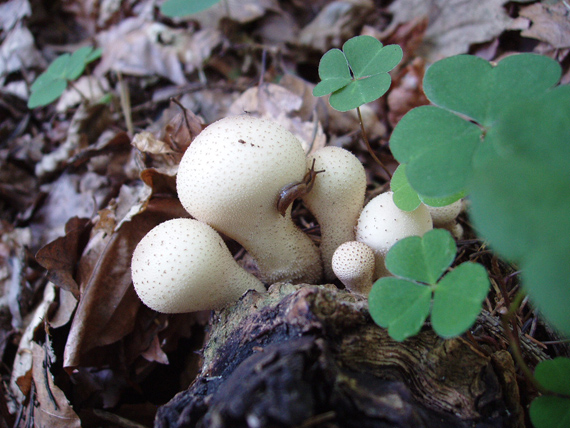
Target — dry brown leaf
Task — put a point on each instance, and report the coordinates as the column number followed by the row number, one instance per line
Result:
column 454, row 25
column 60, row 257
column 18, row 51
column 335, row 23
column 407, row 91
column 109, row 305
column 51, row 408
column 550, row 23
column 242, row 11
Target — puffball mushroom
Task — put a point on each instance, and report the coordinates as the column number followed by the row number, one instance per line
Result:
column 381, row 224
column 230, row 177
column 445, row 217
column 353, row 264
column 183, row 265
column 336, row 198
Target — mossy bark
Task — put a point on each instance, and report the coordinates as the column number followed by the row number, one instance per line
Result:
column 311, row 356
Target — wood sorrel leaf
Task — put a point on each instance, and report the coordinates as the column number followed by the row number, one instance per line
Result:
column 457, row 299
column 474, row 87
column 438, row 148
column 404, row 196
column 422, row 259
column 399, row 305
column 177, row 8
column 358, row 74
column 550, row 411
column 334, row 73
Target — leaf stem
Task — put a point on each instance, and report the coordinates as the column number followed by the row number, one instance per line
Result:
column 368, row 147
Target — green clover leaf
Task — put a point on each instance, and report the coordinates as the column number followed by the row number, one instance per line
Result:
column 179, row 8
column 358, row 74
column 402, row 304
column 67, row 67
column 548, row 411
column 439, row 143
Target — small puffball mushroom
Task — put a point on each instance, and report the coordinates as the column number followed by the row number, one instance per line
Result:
column 353, row 264
column 231, row 177
column 336, row 198
column 381, row 224
column 445, row 217
column 183, row 265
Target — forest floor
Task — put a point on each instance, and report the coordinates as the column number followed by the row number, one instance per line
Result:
column 81, row 181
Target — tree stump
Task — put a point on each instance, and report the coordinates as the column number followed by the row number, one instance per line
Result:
column 311, row 356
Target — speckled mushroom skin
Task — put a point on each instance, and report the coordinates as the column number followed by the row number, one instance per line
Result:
column 336, row 199
column 183, row 265
column 230, row 178
column 353, row 264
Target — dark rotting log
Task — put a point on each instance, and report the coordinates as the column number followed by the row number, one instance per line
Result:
column 311, row 356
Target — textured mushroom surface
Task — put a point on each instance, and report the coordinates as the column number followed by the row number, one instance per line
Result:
column 381, row 224
column 230, row 177
column 183, row 265
column 336, row 199
column 353, row 264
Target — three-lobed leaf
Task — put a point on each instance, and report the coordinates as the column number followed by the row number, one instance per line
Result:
column 431, row 140
column 358, row 74
column 551, row 411
column 402, row 304
column 67, row 67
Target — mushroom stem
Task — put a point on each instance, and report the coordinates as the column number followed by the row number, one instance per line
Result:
column 336, row 199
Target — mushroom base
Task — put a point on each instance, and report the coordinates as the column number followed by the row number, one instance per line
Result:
column 312, row 356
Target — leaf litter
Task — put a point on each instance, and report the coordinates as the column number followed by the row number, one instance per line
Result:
column 77, row 192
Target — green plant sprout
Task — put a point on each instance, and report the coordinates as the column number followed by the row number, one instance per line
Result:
column 180, row 8
column 64, row 69
column 356, row 75
column 402, row 303
column 552, row 408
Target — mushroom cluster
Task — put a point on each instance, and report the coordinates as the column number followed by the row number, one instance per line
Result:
column 239, row 177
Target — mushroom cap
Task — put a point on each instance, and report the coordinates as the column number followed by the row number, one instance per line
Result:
column 183, row 265
column 231, row 177
column 381, row 224
column 232, row 173
column 353, row 264
column 336, row 198
column 443, row 216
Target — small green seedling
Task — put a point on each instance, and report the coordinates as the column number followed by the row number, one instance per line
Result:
column 357, row 74
column 65, row 68
column 552, row 409
column 180, row 8
column 402, row 303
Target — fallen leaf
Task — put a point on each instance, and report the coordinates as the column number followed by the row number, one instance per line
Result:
column 550, row 23
column 18, row 51
column 108, row 306
column 335, row 23
column 453, row 25
column 242, row 11
column 51, row 408
column 12, row 12
column 60, row 257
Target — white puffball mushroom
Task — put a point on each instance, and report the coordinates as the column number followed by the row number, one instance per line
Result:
column 445, row 217
column 183, row 265
column 336, row 198
column 381, row 224
column 231, row 177
column 353, row 264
